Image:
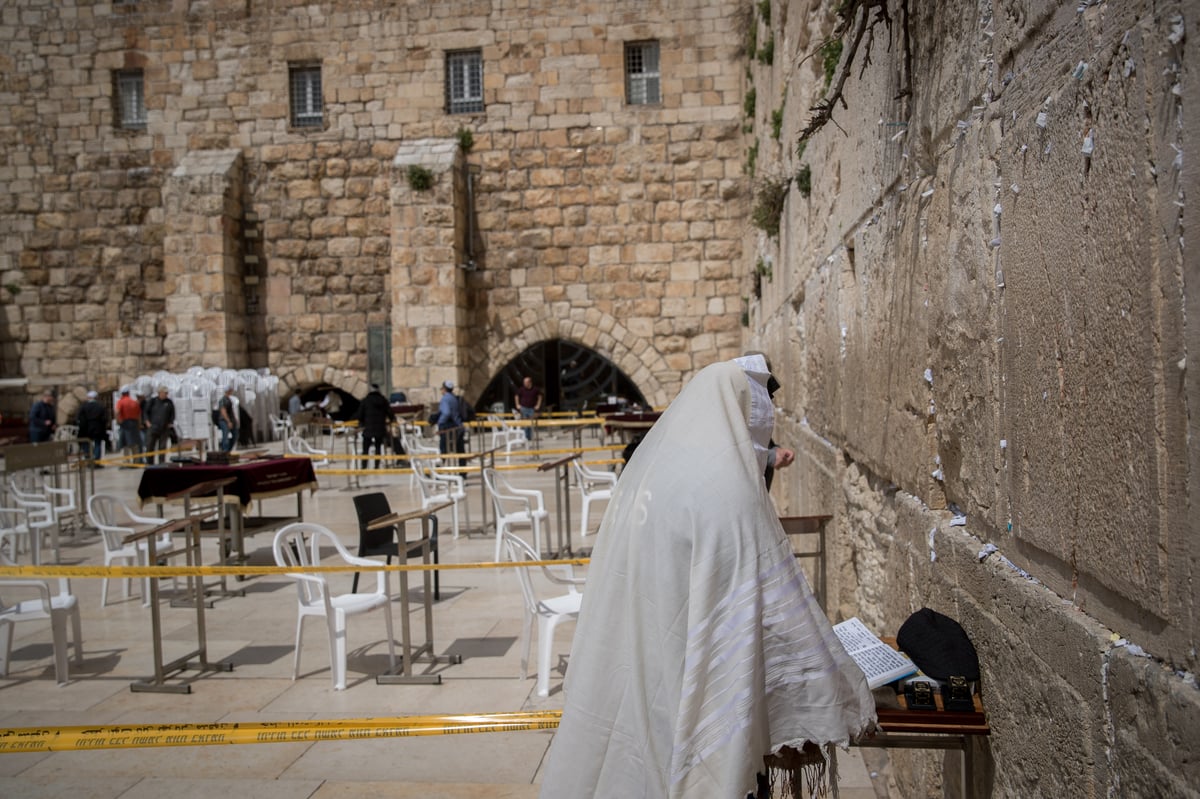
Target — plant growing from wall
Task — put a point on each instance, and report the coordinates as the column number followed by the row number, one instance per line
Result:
column 777, row 123
column 831, row 55
column 857, row 20
column 803, row 181
column 466, row 139
column 766, row 53
column 751, row 158
column 768, row 204
column 749, row 102
column 764, row 11
column 763, row 269
column 419, row 178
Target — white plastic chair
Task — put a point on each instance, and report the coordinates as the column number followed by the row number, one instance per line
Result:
column 593, row 485
column 62, row 505
column 39, row 512
column 293, row 550
column 505, row 435
column 436, row 488
column 549, row 612
column 116, row 520
column 14, row 533
column 58, row 608
column 515, row 506
column 417, row 446
column 298, row 446
column 281, row 426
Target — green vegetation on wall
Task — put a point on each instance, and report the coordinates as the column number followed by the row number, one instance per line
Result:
column 419, row 178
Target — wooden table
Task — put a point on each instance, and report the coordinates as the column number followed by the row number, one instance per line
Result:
column 235, row 487
column 807, row 536
column 626, row 423
column 901, row 728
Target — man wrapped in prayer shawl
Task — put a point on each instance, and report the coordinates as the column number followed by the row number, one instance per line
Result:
column 700, row 647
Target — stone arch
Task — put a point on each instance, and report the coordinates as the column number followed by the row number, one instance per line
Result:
column 300, row 378
column 591, row 328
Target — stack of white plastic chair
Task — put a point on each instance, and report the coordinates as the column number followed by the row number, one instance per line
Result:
column 193, row 413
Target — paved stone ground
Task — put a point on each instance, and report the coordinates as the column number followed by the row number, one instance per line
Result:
column 479, row 617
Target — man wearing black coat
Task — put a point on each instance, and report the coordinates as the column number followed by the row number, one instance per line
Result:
column 160, row 419
column 374, row 418
column 93, row 424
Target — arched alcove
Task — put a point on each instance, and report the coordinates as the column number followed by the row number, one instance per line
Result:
column 572, row 375
column 651, row 376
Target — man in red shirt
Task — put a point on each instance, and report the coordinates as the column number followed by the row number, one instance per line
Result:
column 129, row 421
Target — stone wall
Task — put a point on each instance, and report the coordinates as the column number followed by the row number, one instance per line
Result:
column 613, row 225
column 981, row 311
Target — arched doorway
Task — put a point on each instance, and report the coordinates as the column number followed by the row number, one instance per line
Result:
column 573, row 376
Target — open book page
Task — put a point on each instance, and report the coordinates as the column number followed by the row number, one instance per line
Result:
column 879, row 662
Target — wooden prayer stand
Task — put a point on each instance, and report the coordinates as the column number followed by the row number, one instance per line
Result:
column 225, row 539
column 562, row 500
column 190, row 527
column 424, row 652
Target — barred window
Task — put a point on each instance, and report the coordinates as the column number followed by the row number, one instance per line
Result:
column 304, row 81
column 130, row 92
column 641, row 73
column 464, row 82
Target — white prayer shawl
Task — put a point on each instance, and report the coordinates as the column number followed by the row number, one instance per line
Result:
column 700, row 647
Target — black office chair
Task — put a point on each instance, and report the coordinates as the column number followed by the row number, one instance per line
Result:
column 368, row 508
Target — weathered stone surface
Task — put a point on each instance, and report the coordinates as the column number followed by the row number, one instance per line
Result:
column 973, row 313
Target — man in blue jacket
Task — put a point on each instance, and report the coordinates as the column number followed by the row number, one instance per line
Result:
column 41, row 419
column 449, row 421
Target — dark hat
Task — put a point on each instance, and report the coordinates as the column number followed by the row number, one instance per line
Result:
column 374, row 386
column 938, row 645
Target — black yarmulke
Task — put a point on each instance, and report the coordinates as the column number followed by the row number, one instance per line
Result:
column 938, row 645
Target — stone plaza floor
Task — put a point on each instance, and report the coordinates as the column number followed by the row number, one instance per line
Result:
column 478, row 617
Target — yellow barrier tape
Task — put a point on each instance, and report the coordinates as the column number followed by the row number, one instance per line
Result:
column 134, row 736
column 186, row 571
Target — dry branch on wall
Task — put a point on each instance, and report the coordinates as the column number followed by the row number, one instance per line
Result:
column 858, row 18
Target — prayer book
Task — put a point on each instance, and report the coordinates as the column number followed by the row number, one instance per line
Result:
column 879, row 662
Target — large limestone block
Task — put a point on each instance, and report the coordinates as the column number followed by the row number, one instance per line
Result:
column 1092, row 317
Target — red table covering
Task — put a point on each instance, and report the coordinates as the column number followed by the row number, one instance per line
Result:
column 254, row 480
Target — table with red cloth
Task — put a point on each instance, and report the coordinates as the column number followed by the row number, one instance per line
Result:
column 254, row 481
column 628, row 422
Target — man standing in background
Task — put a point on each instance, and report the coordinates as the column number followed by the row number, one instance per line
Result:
column 449, row 422
column 41, row 419
column 227, row 420
column 374, row 418
column 160, row 420
column 93, row 425
column 129, row 424
column 529, row 402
